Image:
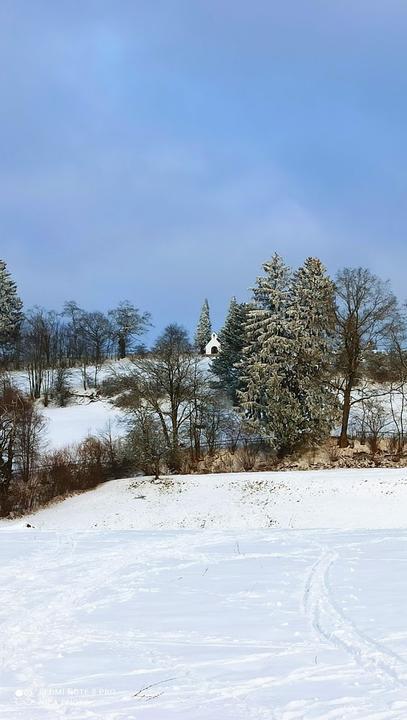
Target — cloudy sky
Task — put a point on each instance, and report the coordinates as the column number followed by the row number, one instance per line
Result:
column 159, row 150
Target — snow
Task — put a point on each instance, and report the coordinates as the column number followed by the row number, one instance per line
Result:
column 83, row 415
column 72, row 424
column 209, row 597
column 368, row 498
column 265, row 624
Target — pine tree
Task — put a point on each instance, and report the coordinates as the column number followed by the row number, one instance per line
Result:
column 312, row 312
column 267, row 367
column 204, row 330
column 232, row 337
column 285, row 393
column 10, row 310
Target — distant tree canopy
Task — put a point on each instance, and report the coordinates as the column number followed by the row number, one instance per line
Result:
column 43, row 340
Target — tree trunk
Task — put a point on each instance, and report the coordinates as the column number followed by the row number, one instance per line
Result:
column 175, row 459
column 343, row 438
column 122, row 347
column 4, row 500
column 84, row 375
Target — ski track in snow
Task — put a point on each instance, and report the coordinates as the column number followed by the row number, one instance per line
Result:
column 330, row 623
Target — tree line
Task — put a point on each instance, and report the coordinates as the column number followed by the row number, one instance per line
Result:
column 295, row 361
column 291, row 361
column 292, row 358
column 47, row 343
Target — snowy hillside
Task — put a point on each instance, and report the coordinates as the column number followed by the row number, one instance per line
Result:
column 85, row 414
column 373, row 498
column 74, row 423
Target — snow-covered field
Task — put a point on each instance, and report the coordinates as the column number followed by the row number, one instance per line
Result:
column 194, row 599
column 280, row 625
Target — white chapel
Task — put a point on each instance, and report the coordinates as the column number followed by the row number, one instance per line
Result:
column 213, row 346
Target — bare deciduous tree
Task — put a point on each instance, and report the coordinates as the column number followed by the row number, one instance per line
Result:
column 92, row 333
column 397, row 375
column 21, row 426
column 171, row 385
column 372, row 422
column 42, row 349
column 366, row 318
column 127, row 323
column 29, row 426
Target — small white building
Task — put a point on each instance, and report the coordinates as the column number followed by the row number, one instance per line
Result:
column 213, row 346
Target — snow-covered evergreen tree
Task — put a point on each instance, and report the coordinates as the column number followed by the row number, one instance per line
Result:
column 232, row 337
column 269, row 357
column 285, row 395
column 312, row 310
column 10, row 310
column 204, row 330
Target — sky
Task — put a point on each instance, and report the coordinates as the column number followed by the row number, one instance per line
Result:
column 160, row 150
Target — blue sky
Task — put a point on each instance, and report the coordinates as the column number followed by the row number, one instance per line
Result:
column 159, row 151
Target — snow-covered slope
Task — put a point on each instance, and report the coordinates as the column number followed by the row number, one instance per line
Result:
column 369, row 498
column 72, row 424
column 83, row 414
